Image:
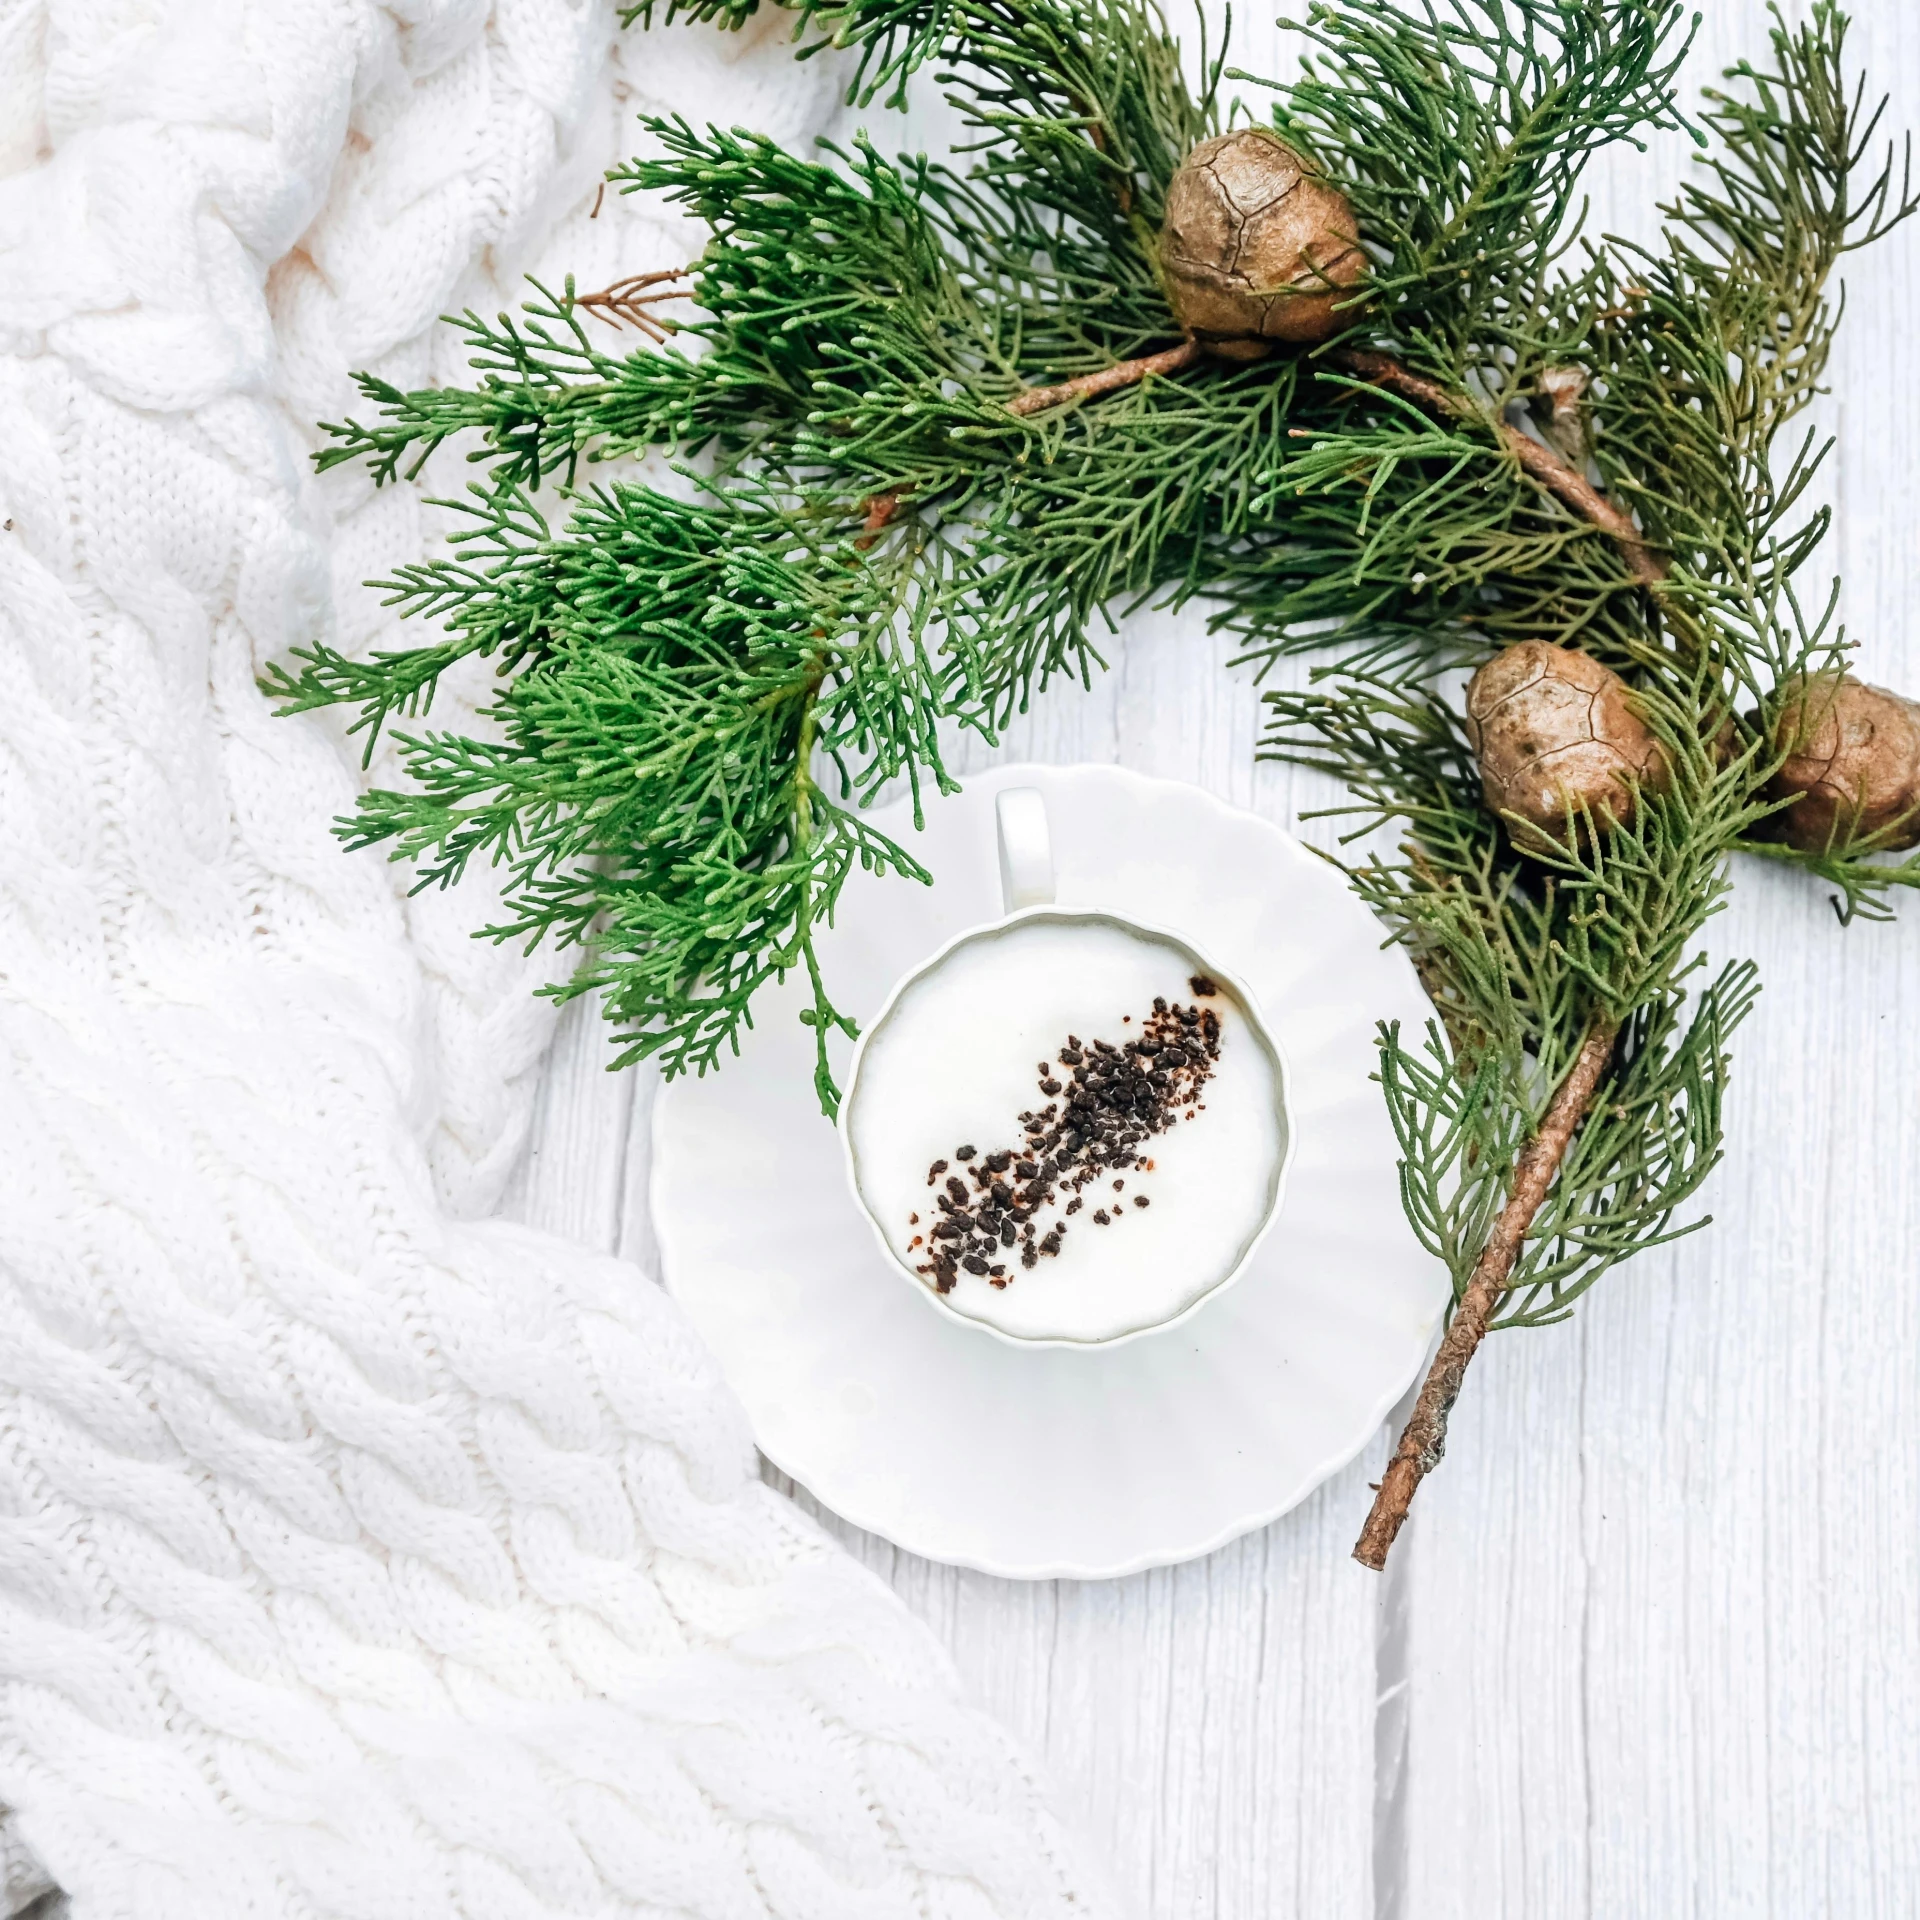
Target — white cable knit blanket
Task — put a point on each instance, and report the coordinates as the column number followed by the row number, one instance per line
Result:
column 358, row 1556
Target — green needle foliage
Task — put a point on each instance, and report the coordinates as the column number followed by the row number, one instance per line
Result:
column 1693, row 361
column 700, row 683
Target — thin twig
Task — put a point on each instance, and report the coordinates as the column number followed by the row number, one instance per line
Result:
column 1425, row 1439
column 1124, row 373
column 881, row 509
column 1552, row 470
column 625, row 303
column 1561, row 479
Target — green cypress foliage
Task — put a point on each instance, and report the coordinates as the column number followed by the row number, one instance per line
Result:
column 700, row 683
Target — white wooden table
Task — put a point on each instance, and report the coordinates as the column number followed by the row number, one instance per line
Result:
column 1651, row 1645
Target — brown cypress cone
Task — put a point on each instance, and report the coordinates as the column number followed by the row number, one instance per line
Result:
column 1258, row 249
column 1553, row 729
column 1852, row 769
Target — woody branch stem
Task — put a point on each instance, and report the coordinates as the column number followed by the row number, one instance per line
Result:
column 1424, row 1442
column 1560, row 478
column 1550, row 469
column 1123, row 373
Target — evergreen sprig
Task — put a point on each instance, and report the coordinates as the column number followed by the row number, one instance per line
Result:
column 880, row 527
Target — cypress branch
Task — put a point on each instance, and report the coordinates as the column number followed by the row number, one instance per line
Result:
column 947, row 420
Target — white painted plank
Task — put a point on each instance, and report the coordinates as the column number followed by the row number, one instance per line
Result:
column 576, row 1177
column 1665, row 1607
column 1210, row 1725
column 1663, row 1601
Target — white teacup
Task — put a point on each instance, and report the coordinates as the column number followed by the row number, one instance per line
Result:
column 1147, row 1198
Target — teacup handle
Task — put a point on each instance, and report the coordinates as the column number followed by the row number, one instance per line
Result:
column 1026, row 849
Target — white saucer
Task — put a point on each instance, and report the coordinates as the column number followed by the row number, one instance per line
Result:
column 1054, row 1462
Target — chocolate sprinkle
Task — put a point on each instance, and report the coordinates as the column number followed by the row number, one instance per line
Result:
column 1120, row 1096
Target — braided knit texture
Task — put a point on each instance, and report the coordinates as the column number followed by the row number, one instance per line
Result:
column 359, row 1556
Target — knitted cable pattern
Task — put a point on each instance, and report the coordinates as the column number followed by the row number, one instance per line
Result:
column 357, row 1557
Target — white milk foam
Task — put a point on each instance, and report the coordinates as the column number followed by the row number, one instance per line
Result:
column 956, row 1063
